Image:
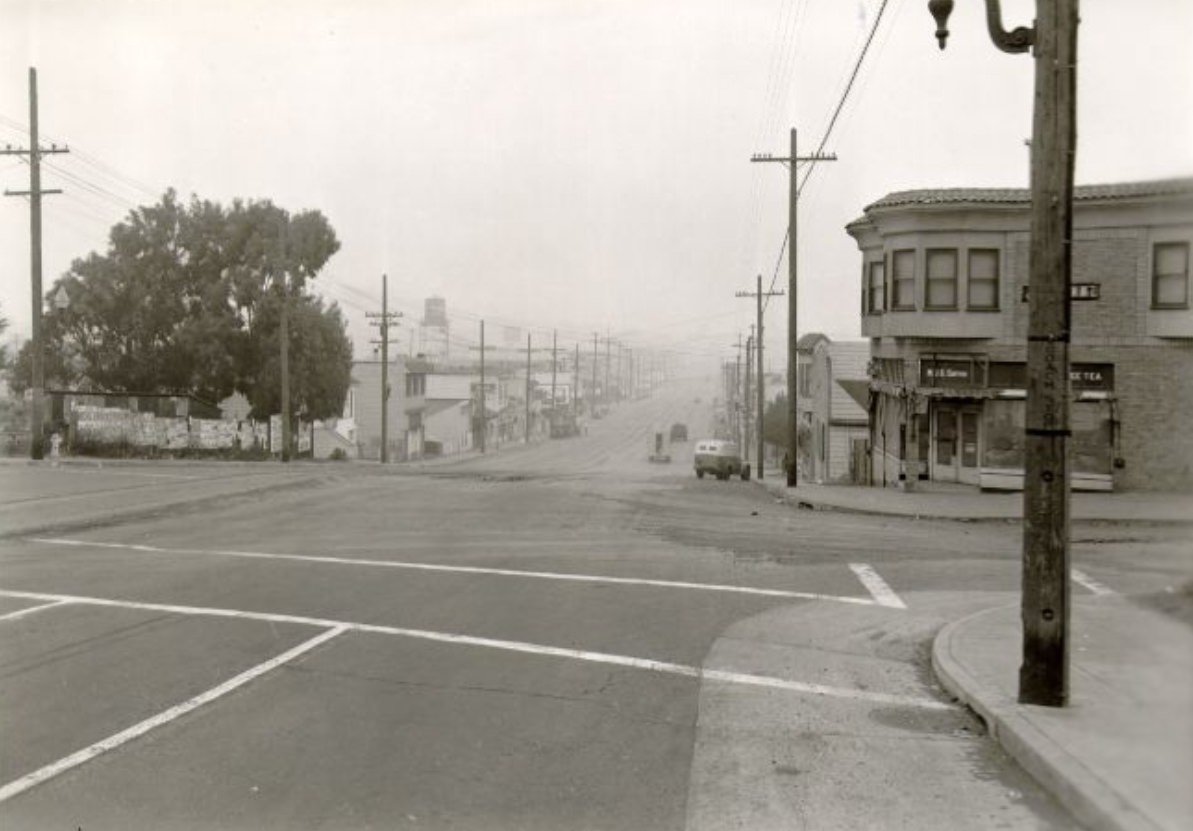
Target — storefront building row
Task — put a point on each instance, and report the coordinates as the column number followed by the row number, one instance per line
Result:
column 945, row 305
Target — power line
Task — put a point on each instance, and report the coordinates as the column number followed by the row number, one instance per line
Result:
column 844, row 95
column 829, row 130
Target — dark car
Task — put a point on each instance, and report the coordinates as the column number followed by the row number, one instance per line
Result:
column 679, row 432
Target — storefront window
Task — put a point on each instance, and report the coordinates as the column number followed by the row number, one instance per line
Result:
column 1091, row 447
column 1004, row 434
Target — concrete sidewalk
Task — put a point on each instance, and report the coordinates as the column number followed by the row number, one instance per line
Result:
column 931, row 500
column 1120, row 756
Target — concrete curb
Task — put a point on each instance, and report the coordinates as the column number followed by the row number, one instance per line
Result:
column 1091, row 800
column 780, row 492
column 118, row 515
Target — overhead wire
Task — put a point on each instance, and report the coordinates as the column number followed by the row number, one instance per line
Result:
column 829, row 130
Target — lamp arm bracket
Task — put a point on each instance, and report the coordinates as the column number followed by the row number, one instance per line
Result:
column 1019, row 39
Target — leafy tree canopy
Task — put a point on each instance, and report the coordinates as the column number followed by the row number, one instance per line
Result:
column 186, row 300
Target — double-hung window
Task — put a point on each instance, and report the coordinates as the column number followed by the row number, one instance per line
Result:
column 1170, row 275
column 940, row 288
column 983, row 279
column 903, row 280
column 876, row 288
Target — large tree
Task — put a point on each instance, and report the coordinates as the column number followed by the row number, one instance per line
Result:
column 179, row 303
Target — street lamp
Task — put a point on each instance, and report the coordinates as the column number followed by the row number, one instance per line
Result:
column 1044, row 674
column 1019, row 39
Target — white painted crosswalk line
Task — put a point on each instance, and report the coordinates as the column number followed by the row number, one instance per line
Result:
column 648, row 664
column 448, row 569
column 882, row 593
column 20, row 613
column 19, row 786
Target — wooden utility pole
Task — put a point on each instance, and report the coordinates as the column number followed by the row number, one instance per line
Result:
column 284, row 329
column 528, row 388
column 606, row 396
column 383, row 321
column 792, row 163
column 554, row 368
column 592, row 403
column 484, row 408
column 35, row 193
column 576, row 384
column 747, row 415
column 1044, row 675
column 737, row 395
column 758, row 294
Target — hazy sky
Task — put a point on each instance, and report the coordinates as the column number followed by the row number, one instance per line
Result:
column 579, row 164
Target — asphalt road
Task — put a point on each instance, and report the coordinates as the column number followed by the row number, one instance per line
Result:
column 560, row 636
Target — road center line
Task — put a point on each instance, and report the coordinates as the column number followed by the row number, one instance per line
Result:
column 883, row 594
column 499, row 572
column 18, row 786
column 28, row 610
column 1090, row 583
column 509, row 646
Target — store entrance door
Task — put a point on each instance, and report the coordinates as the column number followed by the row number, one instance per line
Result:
column 955, row 442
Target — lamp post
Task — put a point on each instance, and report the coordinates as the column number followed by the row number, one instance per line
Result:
column 1044, row 674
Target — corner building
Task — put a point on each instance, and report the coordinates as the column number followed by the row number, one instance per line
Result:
column 944, row 302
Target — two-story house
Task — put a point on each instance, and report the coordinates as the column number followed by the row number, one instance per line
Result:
column 944, row 301
column 406, row 378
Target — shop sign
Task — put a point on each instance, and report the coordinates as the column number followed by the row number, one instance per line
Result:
column 950, row 372
column 1077, row 291
column 1081, row 376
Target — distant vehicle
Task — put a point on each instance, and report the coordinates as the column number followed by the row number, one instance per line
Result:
column 659, row 450
column 679, row 432
column 564, row 425
column 720, row 458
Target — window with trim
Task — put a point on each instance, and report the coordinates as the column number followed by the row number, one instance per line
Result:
column 903, row 280
column 1170, row 275
column 940, row 287
column 876, row 289
column 983, row 279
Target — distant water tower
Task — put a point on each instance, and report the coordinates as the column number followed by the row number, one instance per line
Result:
column 434, row 339
column 435, row 312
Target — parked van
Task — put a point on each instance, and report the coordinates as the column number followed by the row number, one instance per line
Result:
column 720, row 458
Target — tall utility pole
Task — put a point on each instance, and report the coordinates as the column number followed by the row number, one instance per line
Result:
column 483, row 428
column 620, row 372
column 735, row 395
column 528, row 388
column 383, row 321
column 35, row 193
column 576, row 384
column 283, row 281
column 608, row 346
column 1044, row 674
column 747, row 415
column 792, row 163
column 758, row 294
column 554, row 367
column 592, row 403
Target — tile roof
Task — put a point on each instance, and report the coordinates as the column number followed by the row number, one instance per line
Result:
column 1012, row 196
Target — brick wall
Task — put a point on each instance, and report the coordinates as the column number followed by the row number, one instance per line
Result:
column 1154, row 387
